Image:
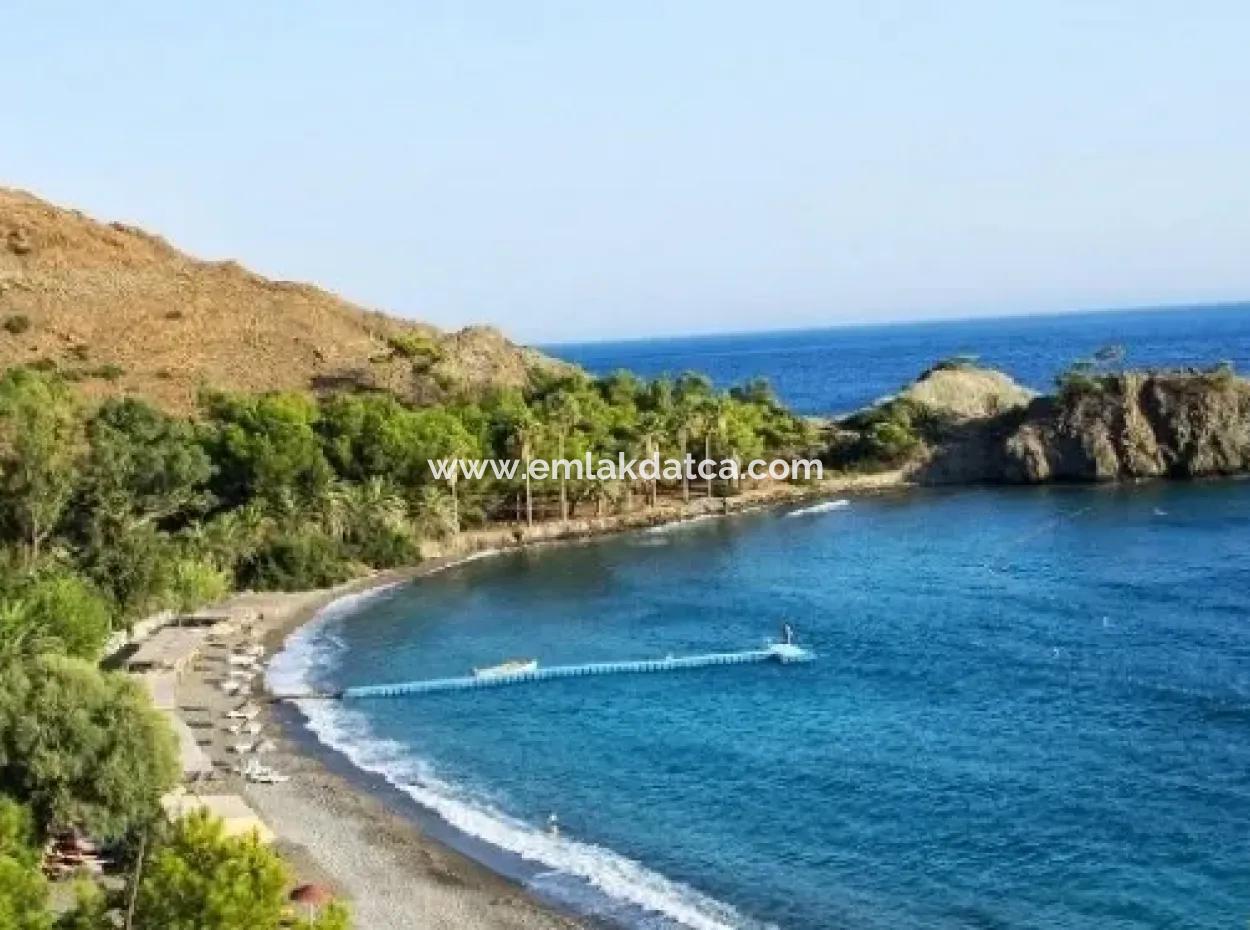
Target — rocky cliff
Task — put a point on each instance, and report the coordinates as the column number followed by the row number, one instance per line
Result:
column 1133, row 425
column 970, row 425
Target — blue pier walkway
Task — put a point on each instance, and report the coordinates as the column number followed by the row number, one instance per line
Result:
column 779, row 652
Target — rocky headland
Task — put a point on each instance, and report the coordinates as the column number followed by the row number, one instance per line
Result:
column 959, row 423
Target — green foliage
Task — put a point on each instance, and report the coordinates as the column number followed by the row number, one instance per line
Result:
column 137, row 565
column 40, row 444
column 142, row 466
column 886, row 436
column 57, row 610
column 1080, row 379
column 23, row 891
column 197, row 878
column 266, row 447
column 304, row 558
column 422, row 350
column 82, row 746
column 90, row 910
column 16, row 323
column 192, row 583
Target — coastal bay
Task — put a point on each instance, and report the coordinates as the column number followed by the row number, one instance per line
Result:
column 960, row 635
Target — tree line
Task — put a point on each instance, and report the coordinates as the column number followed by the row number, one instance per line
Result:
column 113, row 512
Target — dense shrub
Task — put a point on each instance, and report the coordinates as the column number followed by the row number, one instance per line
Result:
column 421, row 350
column 200, row 879
column 61, row 609
column 82, row 746
column 292, row 562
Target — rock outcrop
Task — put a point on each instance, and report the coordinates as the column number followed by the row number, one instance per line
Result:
column 1134, row 425
column 965, row 424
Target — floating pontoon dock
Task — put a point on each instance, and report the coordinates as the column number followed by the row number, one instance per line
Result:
column 780, row 652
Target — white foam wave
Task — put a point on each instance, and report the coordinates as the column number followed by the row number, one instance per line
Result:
column 680, row 524
column 619, row 878
column 823, row 507
column 314, row 647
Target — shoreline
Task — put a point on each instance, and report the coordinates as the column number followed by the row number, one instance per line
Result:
column 336, row 825
column 395, row 863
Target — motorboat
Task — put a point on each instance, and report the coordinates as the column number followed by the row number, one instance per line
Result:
column 507, row 669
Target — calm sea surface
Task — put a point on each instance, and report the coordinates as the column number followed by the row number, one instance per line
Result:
column 824, row 371
column 1031, row 707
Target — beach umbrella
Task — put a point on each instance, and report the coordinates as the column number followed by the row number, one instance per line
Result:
column 312, row 897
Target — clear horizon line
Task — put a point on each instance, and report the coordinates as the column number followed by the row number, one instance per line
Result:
column 1230, row 304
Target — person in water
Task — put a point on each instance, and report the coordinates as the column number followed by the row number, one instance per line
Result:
column 787, row 634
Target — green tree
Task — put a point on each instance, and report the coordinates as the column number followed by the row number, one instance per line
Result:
column 83, row 747
column 143, row 466
column 23, row 891
column 58, row 610
column 296, row 560
column 372, row 435
column 440, row 434
column 522, row 434
column 40, row 447
column 267, row 447
column 90, row 911
column 197, row 878
column 193, row 583
column 561, row 411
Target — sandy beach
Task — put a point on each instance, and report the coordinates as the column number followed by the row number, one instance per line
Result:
column 336, row 832
column 333, row 832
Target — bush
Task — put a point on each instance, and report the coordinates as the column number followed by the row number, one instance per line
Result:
column 82, row 746
column 193, row 584
column 387, row 547
column 23, row 891
column 63, row 609
column 200, row 879
column 296, row 562
column 421, row 350
column 17, row 323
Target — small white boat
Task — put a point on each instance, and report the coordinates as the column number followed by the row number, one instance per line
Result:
column 507, row 669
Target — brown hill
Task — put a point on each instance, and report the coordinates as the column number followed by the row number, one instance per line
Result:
column 120, row 310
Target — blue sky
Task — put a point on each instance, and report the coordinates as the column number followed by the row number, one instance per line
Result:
column 584, row 169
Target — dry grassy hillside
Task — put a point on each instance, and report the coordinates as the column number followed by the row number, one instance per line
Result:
column 120, row 310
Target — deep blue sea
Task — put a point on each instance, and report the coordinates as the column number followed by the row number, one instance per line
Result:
column 826, row 371
column 1030, row 707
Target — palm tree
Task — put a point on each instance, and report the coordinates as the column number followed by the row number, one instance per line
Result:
column 689, row 418
column 19, row 636
column 649, row 436
column 456, row 449
column 436, row 517
column 717, row 423
column 524, row 432
column 563, row 412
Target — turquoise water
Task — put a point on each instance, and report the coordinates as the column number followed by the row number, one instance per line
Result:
column 1031, row 709
column 824, row 371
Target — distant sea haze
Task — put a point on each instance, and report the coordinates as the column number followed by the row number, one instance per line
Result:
column 828, row 371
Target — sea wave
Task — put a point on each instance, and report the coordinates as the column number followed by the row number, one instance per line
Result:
column 823, row 507
column 616, row 876
column 618, row 879
column 660, row 528
column 313, row 648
